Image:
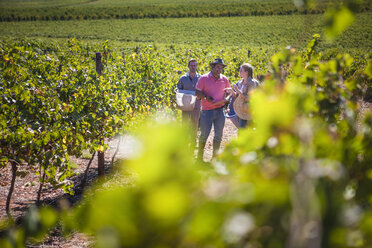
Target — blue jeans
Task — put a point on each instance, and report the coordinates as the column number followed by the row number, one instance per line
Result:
column 242, row 123
column 207, row 118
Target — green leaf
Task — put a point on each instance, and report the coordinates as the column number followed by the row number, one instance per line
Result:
column 167, row 203
column 48, row 217
column 368, row 70
column 350, row 84
column 337, row 21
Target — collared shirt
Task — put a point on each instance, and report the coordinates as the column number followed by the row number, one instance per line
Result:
column 214, row 88
column 188, row 83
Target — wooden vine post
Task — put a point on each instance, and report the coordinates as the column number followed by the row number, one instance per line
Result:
column 100, row 154
column 11, row 189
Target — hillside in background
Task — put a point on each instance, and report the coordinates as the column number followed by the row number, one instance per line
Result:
column 134, row 9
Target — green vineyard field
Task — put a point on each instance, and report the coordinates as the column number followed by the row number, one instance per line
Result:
column 104, row 9
column 269, row 32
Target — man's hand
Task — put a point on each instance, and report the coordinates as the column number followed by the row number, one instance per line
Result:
column 229, row 91
column 200, row 94
column 209, row 98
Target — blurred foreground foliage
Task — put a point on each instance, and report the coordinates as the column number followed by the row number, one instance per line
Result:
column 299, row 176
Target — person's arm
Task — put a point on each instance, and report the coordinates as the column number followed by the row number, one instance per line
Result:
column 229, row 93
column 237, row 91
column 223, row 101
column 201, row 95
column 180, row 84
column 199, row 90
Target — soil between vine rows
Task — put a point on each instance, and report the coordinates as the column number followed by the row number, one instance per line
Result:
column 26, row 188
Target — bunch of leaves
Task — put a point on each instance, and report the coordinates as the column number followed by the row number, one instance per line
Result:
column 305, row 126
column 30, row 112
column 53, row 107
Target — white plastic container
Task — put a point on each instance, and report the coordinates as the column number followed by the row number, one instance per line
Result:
column 185, row 99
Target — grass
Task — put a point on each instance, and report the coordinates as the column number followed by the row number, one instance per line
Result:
column 132, row 9
column 265, row 31
column 107, row 3
column 119, row 3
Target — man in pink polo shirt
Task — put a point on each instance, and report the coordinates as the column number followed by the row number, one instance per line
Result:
column 214, row 90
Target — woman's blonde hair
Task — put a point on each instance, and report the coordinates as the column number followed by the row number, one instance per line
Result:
column 249, row 68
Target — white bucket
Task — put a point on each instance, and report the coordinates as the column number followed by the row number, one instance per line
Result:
column 185, row 99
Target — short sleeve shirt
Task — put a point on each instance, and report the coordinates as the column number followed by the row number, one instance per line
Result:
column 188, row 83
column 214, row 88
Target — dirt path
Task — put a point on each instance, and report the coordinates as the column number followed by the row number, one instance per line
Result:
column 26, row 188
